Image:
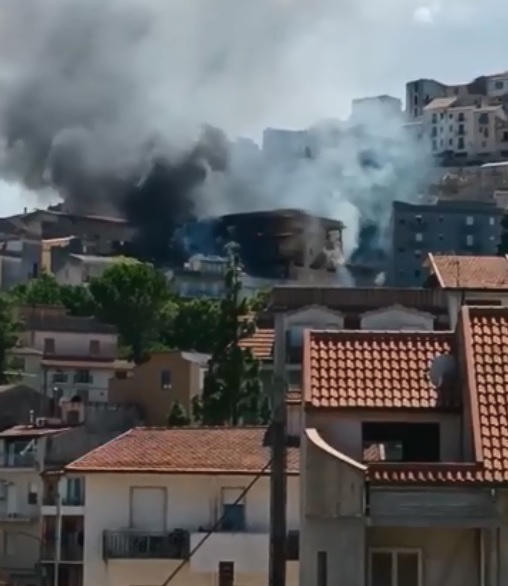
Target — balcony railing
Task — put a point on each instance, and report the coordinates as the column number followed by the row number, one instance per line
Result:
column 49, row 500
column 69, row 552
column 146, row 545
column 17, row 460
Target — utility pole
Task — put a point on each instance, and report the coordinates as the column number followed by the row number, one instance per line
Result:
column 278, row 443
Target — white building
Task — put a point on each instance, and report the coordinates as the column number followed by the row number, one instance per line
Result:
column 153, row 495
column 81, row 268
column 24, row 451
column 68, row 354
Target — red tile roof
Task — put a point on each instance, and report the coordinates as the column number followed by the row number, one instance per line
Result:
column 374, row 370
column 482, row 340
column 470, row 272
column 485, row 332
column 198, row 450
column 261, row 343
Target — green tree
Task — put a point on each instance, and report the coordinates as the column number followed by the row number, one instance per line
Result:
column 9, row 329
column 232, row 391
column 78, row 300
column 177, row 416
column 41, row 291
column 502, row 247
column 195, row 325
column 259, row 302
column 131, row 296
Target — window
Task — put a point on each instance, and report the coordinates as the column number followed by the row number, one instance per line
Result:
column 418, row 237
column 434, row 131
column 83, row 377
column 460, row 143
column 434, row 118
column 233, row 510
column 492, row 221
column 17, row 364
column 401, row 442
column 32, row 493
column 120, row 374
column 418, row 253
column 165, row 379
column 450, row 116
column 8, row 544
column 469, row 220
column 469, row 240
column 226, row 573
column 418, row 273
column 499, row 85
column 395, row 567
column 322, row 568
column 461, row 130
column 75, row 491
column 461, row 118
column 434, row 145
column 95, row 347
column 59, row 377
column 49, row 345
column 450, row 142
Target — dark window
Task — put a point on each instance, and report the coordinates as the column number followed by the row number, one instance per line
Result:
column 402, row 442
column 226, row 573
column 461, row 117
column 322, row 568
column 32, row 493
column 434, row 118
column 499, row 85
column 49, row 345
column 418, row 273
column 83, row 376
column 59, row 377
column 461, row 130
column 460, row 143
column 381, row 568
column 166, row 379
column 233, row 510
column 121, row 374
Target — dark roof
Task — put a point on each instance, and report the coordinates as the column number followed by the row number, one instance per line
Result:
column 357, row 299
column 67, row 323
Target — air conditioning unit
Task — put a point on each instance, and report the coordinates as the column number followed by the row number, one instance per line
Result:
column 41, row 421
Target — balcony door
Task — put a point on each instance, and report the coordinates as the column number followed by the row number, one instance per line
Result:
column 148, row 509
column 395, row 567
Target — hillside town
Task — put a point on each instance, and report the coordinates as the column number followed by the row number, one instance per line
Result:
column 275, row 406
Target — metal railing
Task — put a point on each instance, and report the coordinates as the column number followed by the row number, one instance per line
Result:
column 146, row 545
column 8, row 460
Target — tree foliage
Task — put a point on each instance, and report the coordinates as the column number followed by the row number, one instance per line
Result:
column 502, row 247
column 9, row 329
column 232, row 391
column 177, row 416
column 131, row 296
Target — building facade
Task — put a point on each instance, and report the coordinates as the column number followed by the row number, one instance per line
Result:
column 202, row 490
column 453, row 227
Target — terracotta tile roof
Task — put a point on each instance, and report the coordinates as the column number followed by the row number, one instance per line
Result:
column 198, row 450
column 470, row 272
column 378, row 370
column 261, row 343
column 485, row 332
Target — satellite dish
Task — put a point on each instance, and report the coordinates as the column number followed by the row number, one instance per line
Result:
column 442, row 367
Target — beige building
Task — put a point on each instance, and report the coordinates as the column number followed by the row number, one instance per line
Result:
column 421, row 92
column 81, row 268
column 465, row 128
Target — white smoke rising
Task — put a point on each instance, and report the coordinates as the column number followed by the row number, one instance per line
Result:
column 101, row 78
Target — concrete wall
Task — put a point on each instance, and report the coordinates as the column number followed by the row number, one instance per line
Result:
column 193, row 502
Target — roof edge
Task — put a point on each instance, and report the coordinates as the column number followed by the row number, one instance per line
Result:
column 307, row 379
column 316, row 439
column 435, row 270
column 467, row 343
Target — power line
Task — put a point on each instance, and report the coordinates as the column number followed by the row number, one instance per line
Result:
column 215, row 526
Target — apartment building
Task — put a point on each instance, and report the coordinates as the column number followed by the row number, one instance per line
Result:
column 77, row 269
column 66, row 355
column 470, row 128
column 421, row 92
column 143, row 516
column 374, row 108
column 444, row 226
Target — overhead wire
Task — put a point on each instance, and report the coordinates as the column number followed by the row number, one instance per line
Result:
column 215, row 526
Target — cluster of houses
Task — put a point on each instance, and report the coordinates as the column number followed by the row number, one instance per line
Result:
column 397, row 456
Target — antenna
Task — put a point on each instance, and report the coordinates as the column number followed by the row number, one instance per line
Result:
column 442, row 367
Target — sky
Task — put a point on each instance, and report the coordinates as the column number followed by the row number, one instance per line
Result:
column 335, row 51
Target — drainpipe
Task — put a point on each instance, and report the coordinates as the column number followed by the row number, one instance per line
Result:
column 58, row 541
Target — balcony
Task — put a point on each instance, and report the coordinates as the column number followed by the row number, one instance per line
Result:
column 248, row 551
column 135, row 545
column 10, row 460
column 69, row 552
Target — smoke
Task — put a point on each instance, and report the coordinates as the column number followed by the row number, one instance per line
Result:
column 107, row 101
